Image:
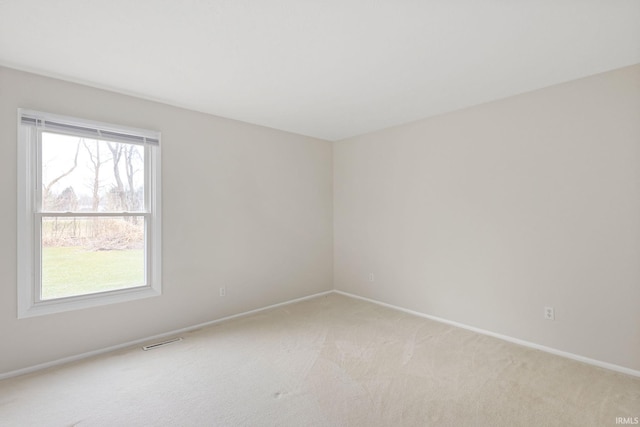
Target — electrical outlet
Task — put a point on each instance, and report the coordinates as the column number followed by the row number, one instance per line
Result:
column 223, row 291
column 372, row 277
column 549, row 313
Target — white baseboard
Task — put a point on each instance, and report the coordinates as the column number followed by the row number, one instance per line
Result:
column 554, row 351
column 77, row 357
column 561, row 353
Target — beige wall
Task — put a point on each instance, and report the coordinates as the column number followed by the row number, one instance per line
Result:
column 482, row 216
column 485, row 215
column 245, row 207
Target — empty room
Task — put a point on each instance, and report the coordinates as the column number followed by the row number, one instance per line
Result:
column 329, row 213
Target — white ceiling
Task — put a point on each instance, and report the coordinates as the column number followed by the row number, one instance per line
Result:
column 325, row 68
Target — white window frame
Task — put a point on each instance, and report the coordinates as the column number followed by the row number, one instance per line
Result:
column 30, row 213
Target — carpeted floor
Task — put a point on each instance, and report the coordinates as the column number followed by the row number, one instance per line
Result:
column 329, row 361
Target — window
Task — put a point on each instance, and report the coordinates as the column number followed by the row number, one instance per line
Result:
column 88, row 213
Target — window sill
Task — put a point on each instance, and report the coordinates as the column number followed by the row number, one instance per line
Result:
column 61, row 305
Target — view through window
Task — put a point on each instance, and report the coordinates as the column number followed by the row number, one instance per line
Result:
column 87, row 254
column 91, row 208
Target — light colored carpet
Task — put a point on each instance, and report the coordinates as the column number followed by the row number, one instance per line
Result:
column 329, row 361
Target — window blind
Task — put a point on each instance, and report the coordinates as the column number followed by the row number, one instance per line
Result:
column 94, row 132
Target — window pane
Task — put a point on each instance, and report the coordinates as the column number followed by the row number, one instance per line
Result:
column 86, row 255
column 88, row 175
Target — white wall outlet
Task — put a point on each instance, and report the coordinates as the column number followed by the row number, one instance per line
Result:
column 372, row 277
column 549, row 313
column 223, row 291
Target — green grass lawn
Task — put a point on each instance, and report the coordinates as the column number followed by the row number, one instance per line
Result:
column 68, row 271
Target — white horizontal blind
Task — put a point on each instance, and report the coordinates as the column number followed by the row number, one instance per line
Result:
column 92, row 130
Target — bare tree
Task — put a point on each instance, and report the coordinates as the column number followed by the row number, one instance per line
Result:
column 97, row 162
column 46, row 188
column 131, row 152
column 67, row 200
column 116, row 154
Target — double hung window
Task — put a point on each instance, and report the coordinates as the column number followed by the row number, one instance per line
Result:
column 88, row 213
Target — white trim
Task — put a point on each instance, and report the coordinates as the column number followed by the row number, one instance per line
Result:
column 81, row 356
column 52, row 214
column 507, row 338
column 42, row 118
column 97, row 299
column 30, row 214
column 65, row 360
column 154, row 222
column 24, row 230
